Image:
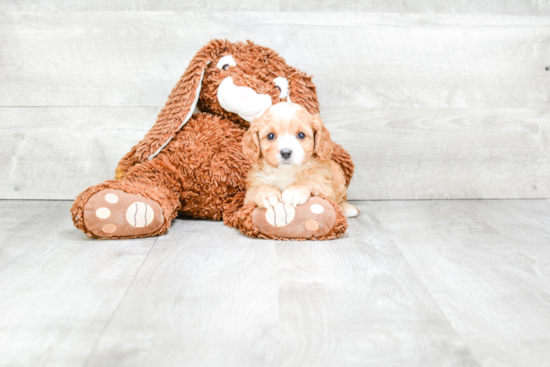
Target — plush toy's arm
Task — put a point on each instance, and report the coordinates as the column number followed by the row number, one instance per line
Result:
column 342, row 157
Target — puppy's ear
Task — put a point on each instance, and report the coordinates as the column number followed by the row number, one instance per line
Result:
column 321, row 136
column 251, row 144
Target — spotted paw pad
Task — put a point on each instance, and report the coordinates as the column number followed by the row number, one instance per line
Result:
column 115, row 213
column 313, row 219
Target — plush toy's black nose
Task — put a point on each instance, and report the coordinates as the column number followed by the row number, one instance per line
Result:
column 286, row 153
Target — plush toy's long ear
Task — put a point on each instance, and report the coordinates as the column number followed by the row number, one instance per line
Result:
column 323, row 143
column 178, row 109
column 251, row 144
column 302, row 91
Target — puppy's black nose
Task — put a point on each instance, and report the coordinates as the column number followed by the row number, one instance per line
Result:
column 286, row 153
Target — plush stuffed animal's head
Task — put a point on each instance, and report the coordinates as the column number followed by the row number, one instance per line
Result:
column 237, row 81
column 242, row 80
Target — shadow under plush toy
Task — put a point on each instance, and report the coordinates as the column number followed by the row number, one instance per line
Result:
column 194, row 163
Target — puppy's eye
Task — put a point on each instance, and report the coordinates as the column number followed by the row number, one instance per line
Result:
column 225, row 66
column 277, row 87
column 301, row 136
column 270, row 136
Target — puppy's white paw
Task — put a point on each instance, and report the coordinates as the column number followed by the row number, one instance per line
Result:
column 264, row 196
column 270, row 201
column 349, row 210
column 296, row 195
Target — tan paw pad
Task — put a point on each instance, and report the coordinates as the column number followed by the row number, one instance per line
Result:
column 312, row 225
column 109, row 228
column 103, row 213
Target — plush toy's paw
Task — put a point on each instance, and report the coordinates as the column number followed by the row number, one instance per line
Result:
column 115, row 213
column 315, row 218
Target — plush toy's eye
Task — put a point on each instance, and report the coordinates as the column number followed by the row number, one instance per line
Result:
column 270, row 136
column 282, row 85
column 226, row 62
column 301, row 136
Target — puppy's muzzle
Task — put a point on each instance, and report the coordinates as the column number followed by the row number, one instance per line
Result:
column 286, row 153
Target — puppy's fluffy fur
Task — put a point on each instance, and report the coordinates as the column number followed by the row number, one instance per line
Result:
column 291, row 154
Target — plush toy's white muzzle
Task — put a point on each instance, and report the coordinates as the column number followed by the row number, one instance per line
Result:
column 243, row 101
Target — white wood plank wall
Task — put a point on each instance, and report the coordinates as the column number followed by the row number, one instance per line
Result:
column 514, row 7
column 433, row 100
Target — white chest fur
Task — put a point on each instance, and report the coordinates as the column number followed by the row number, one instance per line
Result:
column 281, row 178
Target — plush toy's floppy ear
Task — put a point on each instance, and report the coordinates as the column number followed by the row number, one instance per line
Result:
column 323, row 143
column 178, row 108
column 251, row 144
column 302, row 91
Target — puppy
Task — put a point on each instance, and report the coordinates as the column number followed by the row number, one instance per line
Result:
column 291, row 150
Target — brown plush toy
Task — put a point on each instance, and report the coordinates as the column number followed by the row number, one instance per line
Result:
column 194, row 163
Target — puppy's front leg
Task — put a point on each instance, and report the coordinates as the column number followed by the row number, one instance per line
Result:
column 301, row 190
column 296, row 194
column 264, row 196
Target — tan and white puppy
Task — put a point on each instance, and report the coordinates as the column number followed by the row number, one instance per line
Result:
column 291, row 150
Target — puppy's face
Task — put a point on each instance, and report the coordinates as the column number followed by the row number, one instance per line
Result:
column 287, row 136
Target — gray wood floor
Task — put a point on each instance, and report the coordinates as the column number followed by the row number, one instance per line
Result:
column 413, row 283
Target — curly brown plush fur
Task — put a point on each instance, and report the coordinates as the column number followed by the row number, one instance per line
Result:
column 199, row 168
